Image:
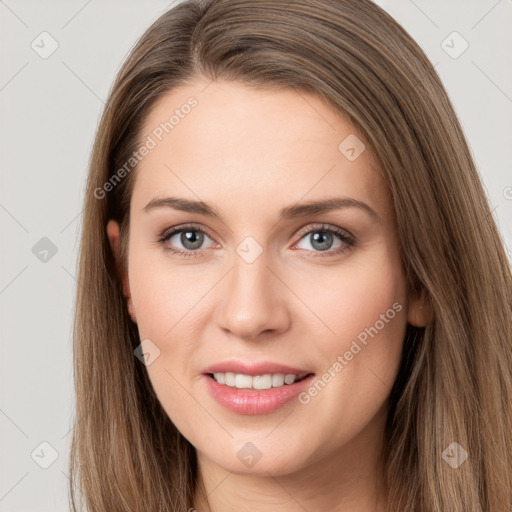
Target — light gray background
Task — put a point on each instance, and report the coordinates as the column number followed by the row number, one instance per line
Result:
column 49, row 112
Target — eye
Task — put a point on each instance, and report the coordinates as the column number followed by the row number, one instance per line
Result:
column 329, row 240
column 188, row 240
column 184, row 240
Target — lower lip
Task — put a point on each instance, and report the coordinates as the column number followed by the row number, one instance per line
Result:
column 252, row 402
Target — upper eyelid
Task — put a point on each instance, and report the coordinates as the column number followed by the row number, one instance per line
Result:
column 324, row 227
column 300, row 233
column 180, row 228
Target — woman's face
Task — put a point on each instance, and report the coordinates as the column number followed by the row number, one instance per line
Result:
column 263, row 283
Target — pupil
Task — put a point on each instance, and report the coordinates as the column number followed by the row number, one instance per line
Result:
column 191, row 239
column 321, row 237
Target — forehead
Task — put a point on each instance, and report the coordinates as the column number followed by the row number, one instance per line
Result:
column 234, row 145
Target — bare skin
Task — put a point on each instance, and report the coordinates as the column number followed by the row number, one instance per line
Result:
column 301, row 302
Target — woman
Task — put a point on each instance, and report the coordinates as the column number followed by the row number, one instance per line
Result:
column 293, row 295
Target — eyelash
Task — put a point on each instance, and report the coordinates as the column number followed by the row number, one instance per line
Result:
column 348, row 240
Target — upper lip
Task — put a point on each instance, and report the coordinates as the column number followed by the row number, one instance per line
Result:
column 253, row 369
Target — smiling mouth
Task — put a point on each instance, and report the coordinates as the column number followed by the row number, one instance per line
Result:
column 257, row 382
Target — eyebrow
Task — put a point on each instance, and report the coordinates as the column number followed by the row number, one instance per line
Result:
column 290, row 212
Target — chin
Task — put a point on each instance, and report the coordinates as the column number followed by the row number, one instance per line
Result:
column 261, row 457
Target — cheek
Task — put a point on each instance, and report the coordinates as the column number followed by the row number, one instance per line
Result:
column 364, row 307
column 163, row 294
column 168, row 301
column 165, row 300
column 359, row 301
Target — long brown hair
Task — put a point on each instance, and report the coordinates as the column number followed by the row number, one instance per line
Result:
column 454, row 383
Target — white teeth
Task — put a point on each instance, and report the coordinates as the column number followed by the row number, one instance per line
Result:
column 220, row 378
column 277, row 380
column 230, row 379
column 266, row 381
column 243, row 381
column 262, row 381
column 289, row 379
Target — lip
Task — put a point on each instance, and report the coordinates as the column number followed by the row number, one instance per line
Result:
column 251, row 402
column 255, row 402
column 253, row 369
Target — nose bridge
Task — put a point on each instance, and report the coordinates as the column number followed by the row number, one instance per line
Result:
column 252, row 303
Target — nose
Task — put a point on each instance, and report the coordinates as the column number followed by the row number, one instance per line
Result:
column 253, row 302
